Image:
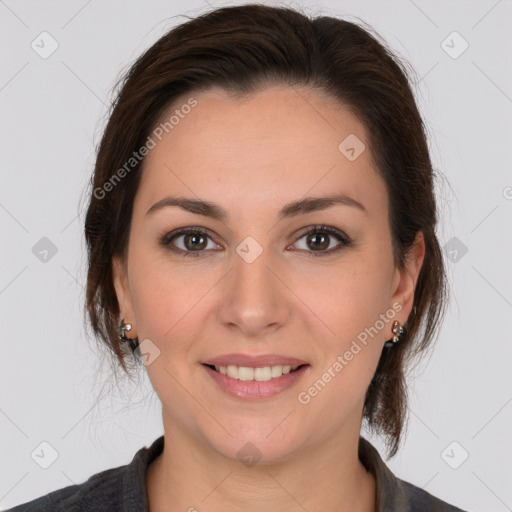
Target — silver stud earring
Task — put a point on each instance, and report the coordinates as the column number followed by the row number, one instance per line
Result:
column 123, row 329
column 397, row 330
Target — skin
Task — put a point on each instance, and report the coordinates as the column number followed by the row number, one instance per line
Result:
column 252, row 156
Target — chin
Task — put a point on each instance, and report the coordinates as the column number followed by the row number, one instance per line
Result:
column 251, row 452
column 255, row 442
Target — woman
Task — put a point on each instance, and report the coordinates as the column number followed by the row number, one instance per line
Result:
column 261, row 235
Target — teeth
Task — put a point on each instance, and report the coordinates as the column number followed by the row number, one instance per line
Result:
column 244, row 373
column 260, row 374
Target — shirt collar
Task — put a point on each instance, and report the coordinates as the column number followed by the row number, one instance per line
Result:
column 134, row 490
column 390, row 495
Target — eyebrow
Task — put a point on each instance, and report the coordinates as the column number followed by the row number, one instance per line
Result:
column 293, row 209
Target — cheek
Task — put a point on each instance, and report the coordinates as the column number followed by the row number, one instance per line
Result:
column 159, row 303
column 169, row 297
column 350, row 353
column 348, row 297
column 155, row 293
column 353, row 302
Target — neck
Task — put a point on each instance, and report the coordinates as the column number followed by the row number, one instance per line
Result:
column 190, row 476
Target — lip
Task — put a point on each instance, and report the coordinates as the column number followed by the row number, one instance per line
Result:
column 254, row 361
column 253, row 389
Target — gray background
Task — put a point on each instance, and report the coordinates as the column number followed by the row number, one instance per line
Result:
column 57, row 388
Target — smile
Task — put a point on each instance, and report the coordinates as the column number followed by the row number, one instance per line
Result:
column 255, row 383
column 260, row 374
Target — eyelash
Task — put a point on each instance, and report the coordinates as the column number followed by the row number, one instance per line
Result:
column 339, row 235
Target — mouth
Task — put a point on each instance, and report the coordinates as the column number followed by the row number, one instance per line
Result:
column 255, row 383
column 259, row 374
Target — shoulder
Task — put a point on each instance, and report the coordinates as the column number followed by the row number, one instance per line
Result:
column 112, row 490
column 418, row 500
column 100, row 492
column 394, row 494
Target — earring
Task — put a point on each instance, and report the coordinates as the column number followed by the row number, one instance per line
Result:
column 397, row 330
column 123, row 328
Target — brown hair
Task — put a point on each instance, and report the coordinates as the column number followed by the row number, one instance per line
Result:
column 241, row 48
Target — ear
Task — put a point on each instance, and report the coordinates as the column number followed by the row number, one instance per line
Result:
column 123, row 293
column 406, row 279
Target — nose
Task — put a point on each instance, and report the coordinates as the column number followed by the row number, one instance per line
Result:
column 255, row 300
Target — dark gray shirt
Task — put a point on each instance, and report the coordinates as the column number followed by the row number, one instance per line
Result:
column 124, row 488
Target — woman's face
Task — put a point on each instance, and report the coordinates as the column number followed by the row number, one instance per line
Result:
column 256, row 284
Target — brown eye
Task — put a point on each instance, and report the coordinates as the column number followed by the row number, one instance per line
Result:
column 189, row 241
column 194, row 241
column 319, row 240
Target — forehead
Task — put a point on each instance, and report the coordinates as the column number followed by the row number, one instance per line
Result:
column 278, row 144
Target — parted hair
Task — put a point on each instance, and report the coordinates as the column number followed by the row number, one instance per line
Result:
column 241, row 49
